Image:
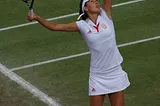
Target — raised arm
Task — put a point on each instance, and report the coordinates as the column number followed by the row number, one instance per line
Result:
column 107, row 7
column 71, row 27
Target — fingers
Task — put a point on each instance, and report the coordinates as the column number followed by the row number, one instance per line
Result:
column 30, row 19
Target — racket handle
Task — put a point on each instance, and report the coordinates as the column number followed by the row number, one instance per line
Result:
column 31, row 13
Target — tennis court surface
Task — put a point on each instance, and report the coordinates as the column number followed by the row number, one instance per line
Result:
column 40, row 68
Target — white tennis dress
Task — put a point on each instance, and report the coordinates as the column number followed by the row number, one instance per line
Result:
column 106, row 74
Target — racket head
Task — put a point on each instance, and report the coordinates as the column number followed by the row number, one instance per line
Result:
column 30, row 4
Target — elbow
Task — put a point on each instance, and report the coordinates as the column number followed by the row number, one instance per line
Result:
column 56, row 27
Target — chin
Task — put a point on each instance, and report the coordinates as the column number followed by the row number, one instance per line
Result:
column 95, row 10
column 98, row 11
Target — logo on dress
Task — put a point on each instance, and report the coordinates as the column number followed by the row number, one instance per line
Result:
column 104, row 26
column 89, row 32
column 93, row 90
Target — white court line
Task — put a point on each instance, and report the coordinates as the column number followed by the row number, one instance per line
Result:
column 81, row 54
column 29, row 87
column 64, row 16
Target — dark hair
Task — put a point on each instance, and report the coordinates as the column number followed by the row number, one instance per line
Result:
column 85, row 16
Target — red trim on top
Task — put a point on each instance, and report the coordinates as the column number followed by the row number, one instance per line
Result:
column 97, row 27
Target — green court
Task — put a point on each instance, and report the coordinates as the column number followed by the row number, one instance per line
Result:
column 66, row 80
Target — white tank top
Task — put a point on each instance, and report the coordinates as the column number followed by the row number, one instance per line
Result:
column 100, row 39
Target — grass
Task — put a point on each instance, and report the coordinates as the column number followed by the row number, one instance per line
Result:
column 67, row 81
column 13, row 95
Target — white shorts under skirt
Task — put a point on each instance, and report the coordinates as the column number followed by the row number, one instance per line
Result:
column 112, row 81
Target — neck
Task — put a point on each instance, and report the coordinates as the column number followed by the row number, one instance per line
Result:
column 93, row 17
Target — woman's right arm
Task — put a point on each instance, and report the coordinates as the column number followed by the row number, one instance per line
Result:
column 107, row 7
column 71, row 27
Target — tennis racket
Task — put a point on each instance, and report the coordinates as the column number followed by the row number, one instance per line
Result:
column 30, row 5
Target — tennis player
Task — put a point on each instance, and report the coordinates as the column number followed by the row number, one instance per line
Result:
column 96, row 27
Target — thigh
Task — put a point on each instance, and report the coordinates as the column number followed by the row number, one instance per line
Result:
column 96, row 100
column 117, row 98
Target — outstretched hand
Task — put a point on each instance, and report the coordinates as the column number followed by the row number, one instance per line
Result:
column 31, row 16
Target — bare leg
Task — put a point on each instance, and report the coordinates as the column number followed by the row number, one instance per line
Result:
column 117, row 98
column 96, row 100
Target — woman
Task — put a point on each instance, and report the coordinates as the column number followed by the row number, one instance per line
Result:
column 97, row 29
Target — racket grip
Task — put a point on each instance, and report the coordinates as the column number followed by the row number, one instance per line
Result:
column 31, row 13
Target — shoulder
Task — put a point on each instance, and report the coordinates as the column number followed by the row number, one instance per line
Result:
column 81, row 24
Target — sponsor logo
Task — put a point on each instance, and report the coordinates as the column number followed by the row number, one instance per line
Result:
column 89, row 32
column 104, row 26
column 93, row 90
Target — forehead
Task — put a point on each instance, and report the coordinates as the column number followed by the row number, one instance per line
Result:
column 91, row 1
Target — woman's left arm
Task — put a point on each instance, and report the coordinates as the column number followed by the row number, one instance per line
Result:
column 107, row 7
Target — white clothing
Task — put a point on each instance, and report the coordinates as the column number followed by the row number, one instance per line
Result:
column 106, row 74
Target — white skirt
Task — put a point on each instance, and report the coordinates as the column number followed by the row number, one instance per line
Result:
column 111, row 81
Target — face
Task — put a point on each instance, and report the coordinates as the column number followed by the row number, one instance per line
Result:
column 92, row 6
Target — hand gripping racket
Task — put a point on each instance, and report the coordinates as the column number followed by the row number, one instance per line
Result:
column 30, row 6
